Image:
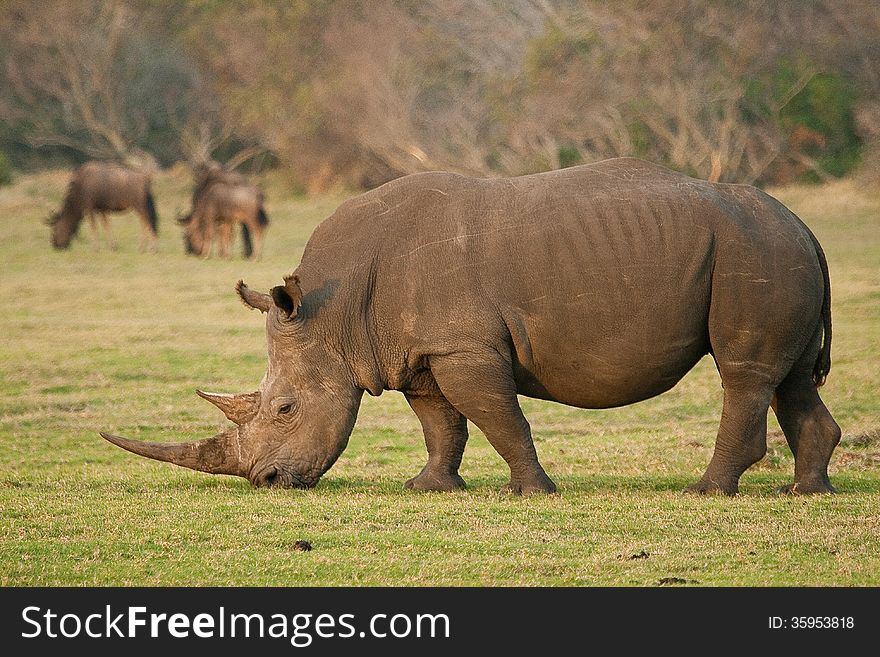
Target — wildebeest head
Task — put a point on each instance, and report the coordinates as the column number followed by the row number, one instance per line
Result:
column 189, row 245
column 63, row 228
column 293, row 428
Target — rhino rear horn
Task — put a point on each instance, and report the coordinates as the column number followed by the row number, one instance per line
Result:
column 237, row 408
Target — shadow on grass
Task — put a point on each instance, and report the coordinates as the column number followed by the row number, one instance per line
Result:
column 760, row 486
column 757, row 485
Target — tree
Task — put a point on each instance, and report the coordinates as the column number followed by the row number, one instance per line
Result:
column 361, row 91
column 82, row 77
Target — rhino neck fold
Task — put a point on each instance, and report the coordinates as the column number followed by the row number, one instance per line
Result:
column 341, row 312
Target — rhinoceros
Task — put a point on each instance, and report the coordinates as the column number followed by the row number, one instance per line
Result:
column 594, row 286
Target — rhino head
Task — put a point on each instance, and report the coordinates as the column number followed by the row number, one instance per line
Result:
column 293, row 428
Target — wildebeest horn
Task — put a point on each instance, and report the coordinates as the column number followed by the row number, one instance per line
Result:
column 217, row 455
column 238, row 408
column 258, row 300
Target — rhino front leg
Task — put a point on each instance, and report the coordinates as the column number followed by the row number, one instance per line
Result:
column 445, row 432
column 482, row 388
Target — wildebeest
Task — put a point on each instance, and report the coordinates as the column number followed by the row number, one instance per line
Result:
column 220, row 199
column 595, row 286
column 207, row 173
column 102, row 187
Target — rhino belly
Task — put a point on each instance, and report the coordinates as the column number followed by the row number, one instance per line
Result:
column 615, row 332
column 587, row 371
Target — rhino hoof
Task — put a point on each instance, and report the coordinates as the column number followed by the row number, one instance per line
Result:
column 432, row 481
column 540, row 486
column 809, row 488
column 712, row 488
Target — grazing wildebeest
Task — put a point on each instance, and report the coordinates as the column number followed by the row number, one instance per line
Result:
column 222, row 198
column 102, row 187
column 595, row 286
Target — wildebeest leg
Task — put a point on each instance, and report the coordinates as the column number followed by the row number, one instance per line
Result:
column 94, row 224
column 482, row 388
column 446, row 434
column 810, row 430
column 742, row 437
column 148, row 236
column 258, row 233
column 111, row 242
column 207, row 239
column 225, row 240
column 142, row 242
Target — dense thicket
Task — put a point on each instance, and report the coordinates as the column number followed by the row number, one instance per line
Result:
column 360, row 91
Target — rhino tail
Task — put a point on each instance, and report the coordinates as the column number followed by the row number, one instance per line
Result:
column 823, row 360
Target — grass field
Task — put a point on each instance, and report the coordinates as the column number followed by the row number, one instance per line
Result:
column 118, row 341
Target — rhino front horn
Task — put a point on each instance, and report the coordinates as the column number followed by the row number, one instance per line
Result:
column 214, row 455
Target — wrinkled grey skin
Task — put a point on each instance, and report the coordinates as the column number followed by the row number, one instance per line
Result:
column 595, row 286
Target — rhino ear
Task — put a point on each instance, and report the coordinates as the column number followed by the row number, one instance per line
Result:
column 288, row 297
column 252, row 299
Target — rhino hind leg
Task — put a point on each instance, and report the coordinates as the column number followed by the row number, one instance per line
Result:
column 446, row 434
column 482, row 388
column 742, row 438
column 810, row 430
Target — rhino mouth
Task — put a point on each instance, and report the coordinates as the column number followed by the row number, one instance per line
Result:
column 274, row 476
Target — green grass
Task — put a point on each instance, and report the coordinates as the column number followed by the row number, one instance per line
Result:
column 94, row 340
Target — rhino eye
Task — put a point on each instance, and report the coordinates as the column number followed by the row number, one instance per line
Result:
column 284, row 409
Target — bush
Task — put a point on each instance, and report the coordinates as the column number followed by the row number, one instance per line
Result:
column 568, row 156
column 5, row 170
column 824, row 110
